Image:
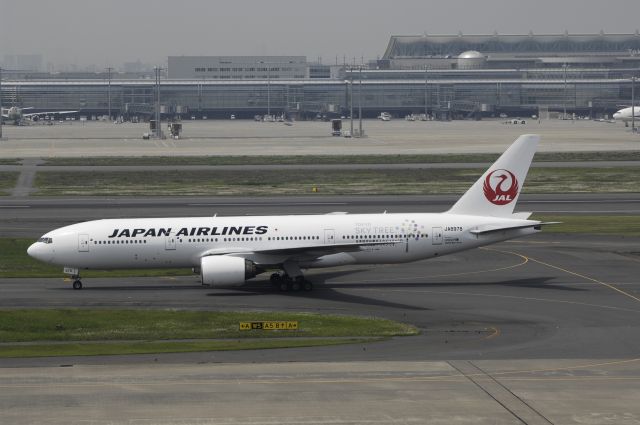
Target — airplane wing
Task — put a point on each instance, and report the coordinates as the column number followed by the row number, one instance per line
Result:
column 306, row 253
column 49, row 113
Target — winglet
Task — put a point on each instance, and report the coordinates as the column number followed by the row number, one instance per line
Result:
column 495, row 193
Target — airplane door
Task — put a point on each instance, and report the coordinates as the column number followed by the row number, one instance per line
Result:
column 83, row 243
column 329, row 236
column 170, row 243
column 436, row 235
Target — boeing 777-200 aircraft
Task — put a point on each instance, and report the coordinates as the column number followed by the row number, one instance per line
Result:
column 229, row 250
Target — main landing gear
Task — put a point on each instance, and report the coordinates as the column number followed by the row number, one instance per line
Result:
column 286, row 283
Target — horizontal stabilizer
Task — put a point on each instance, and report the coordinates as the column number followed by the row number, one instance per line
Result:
column 492, row 228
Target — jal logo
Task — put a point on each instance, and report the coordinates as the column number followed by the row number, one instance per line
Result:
column 500, row 187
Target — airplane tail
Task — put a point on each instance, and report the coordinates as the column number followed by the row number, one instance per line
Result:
column 495, row 193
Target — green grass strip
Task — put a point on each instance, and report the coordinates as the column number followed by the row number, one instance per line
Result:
column 336, row 159
column 333, row 182
column 10, row 161
column 592, row 224
column 70, row 332
column 73, row 325
column 8, row 180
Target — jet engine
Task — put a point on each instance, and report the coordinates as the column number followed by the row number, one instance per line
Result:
column 224, row 270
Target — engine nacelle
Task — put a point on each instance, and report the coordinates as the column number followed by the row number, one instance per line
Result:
column 224, row 270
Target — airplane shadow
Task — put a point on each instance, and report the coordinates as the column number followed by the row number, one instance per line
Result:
column 172, row 287
column 538, row 283
column 331, row 292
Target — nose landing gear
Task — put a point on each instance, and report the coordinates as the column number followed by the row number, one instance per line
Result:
column 75, row 275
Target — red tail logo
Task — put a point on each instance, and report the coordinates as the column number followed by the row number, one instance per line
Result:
column 501, row 187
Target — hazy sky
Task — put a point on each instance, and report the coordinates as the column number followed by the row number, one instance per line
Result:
column 110, row 32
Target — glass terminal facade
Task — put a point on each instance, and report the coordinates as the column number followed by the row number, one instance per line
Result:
column 446, row 77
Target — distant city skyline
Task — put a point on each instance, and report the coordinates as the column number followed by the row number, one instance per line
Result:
column 74, row 35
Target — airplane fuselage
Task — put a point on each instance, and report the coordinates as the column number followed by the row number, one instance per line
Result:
column 627, row 114
column 12, row 114
column 182, row 242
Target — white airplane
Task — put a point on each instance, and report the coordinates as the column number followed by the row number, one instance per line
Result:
column 226, row 251
column 625, row 115
column 384, row 116
column 17, row 115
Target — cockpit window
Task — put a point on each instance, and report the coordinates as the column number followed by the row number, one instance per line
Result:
column 45, row 240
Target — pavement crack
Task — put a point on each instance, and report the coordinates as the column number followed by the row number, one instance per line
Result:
column 502, row 395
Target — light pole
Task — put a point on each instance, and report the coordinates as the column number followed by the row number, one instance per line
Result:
column 633, row 104
column 158, row 129
column 360, row 102
column 426, row 90
column 268, row 68
column 0, row 103
column 351, row 101
column 109, row 69
column 564, row 95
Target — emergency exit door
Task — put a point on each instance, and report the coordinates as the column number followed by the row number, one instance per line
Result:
column 83, row 243
column 436, row 235
column 329, row 236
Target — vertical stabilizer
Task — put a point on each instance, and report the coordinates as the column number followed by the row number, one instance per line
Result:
column 495, row 193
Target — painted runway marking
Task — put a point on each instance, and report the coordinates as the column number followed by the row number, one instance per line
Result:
column 525, row 260
column 608, row 285
column 513, row 297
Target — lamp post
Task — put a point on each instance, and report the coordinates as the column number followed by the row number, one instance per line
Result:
column 158, row 129
column 426, row 90
column 633, row 104
column 268, row 68
column 1, row 104
column 360, row 103
column 351, row 101
column 109, row 69
column 564, row 95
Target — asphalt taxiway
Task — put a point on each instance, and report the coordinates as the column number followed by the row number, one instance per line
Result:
column 544, row 329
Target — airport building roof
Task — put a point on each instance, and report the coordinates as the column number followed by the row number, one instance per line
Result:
column 425, row 46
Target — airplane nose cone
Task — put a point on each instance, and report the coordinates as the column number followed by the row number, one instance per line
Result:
column 40, row 251
column 616, row 116
column 32, row 250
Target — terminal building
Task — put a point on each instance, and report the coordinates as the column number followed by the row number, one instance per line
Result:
column 237, row 67
column 445, row 77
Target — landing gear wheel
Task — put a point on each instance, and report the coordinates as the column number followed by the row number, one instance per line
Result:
column 284, row 286
column 275, row 279
column 307, row 286
column 296, row 285
column 77, row 284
